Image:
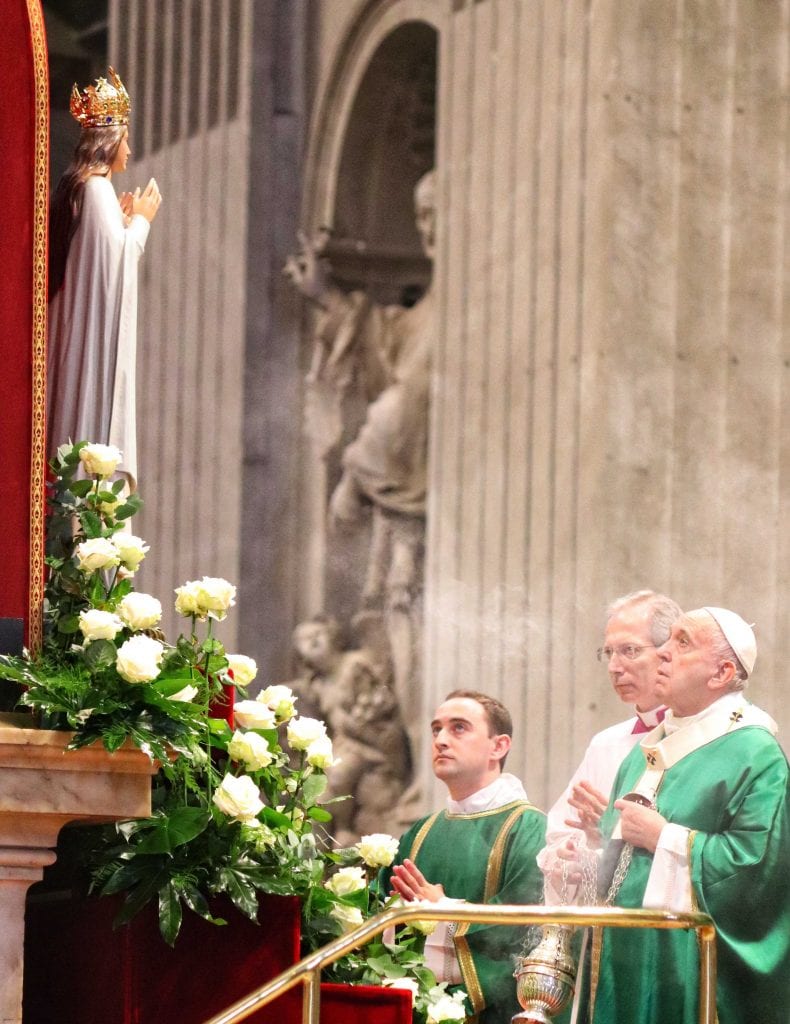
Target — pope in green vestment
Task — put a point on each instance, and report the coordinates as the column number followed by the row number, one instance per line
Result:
column 483, row 857
column 726, row 781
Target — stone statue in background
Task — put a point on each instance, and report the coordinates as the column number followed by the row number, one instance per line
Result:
column 350, row 691
column 319, row 650
column 384, row 352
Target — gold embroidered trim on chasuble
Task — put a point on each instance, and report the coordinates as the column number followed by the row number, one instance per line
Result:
column 419, row 839
column 39, row 339
column 689, row 844
column 493, row 874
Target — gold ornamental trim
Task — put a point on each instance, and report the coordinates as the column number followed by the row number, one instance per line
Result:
column 39, row 338
column 689, row 845
column 494, row 810
column 493, row 873
column 469, row 972
column 419, row 839
column 497, row 855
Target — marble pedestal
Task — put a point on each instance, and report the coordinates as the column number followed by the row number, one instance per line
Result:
column 42, row 787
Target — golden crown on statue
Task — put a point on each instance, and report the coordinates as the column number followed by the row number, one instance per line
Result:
column 103, row 104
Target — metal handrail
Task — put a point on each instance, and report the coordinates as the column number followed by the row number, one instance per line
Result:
column 308, row 970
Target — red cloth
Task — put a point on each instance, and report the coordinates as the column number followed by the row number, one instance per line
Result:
column 78, row 970
column 17, row 143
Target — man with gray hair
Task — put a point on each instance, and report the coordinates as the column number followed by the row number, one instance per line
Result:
column 637, row 624
column 701, row 811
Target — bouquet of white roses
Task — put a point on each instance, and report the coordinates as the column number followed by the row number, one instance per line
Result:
column 234, row 810
column 236, row 796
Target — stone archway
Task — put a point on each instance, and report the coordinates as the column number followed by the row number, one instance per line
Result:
column 375, row 245
column 367, row 397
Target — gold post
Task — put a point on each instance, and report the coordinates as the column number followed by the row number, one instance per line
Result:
column 311, row 998
column 707, row 975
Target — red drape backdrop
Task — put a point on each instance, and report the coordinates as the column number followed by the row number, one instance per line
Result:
column 24, row 145
column 79, row 970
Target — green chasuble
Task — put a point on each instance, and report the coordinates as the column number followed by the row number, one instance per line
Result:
column 733, row 793
column 488, row 857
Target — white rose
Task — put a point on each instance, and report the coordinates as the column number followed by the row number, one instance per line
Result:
column 446, row 1007
column 186, row 695
column 239, row 798
column 304, row 731
column 349, row 917
column 346, row 880
column 99, row 625
column 215, row 597
column 319, row 753
column 138, row 659
column 131, row 550
column 251, row 749
column 281, row 700
column 97, row 553
column 140, row 611
column 253, row 715
column 377, row 850
column 243, row 668
column 410, row 984
column 210, row 596
column 187, row 598
column 100, row 459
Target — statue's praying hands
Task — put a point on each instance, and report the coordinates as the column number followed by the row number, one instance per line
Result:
column 308, row 269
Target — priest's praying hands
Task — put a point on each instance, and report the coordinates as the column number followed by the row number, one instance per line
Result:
column 589, row 804
column 640, row 826
column 410, row 884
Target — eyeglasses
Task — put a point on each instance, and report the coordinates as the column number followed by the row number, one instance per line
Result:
column 629, row 652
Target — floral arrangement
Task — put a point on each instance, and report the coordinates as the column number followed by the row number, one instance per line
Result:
column 236, row 799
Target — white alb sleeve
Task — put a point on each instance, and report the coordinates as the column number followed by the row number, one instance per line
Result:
column 669, row 883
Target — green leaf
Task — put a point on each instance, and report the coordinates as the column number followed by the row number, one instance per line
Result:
column 314, row 786
column 118, row 486
column 386, row 966
column 198, row 903
column 72, row 458
column 240, row 891
column 275, row 819
column 81, row 488
column 169, row 913
column 68, row 623
column 130, row 874
column 186, row 650
column 318, row 814
column 174, row 830
column 120, row 589
column 96, row 590
column 124, row 511
column 139, row 896
column 91, row 523
column 100, row 654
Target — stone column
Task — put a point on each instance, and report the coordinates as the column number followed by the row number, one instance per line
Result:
column 20, row 867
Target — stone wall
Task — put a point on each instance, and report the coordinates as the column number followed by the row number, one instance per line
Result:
column 608, row 407
column 217, row 91
column 611, row 374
